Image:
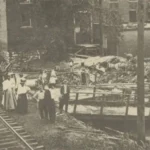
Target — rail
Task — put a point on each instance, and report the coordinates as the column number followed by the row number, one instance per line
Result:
column 12, row 130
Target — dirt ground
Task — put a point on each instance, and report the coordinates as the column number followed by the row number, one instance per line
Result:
column 62, row 135
column 68, row 133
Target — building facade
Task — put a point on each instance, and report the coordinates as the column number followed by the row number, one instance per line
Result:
column 24, row 23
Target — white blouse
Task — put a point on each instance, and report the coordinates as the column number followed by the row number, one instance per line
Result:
column 23, row 89
column 52, row 80
column 13, row 83
column 6, row 85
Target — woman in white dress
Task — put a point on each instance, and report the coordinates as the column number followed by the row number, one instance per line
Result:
column 9, row 99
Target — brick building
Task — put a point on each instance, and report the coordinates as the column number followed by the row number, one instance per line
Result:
column 21, row 28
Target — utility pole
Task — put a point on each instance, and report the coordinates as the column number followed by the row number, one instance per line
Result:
column 101, row 27
column 140, row 73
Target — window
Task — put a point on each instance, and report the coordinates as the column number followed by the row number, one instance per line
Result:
column 132, row 16
column 25, row 1
column 133, row 10
column 114, row 5
column 26, row 21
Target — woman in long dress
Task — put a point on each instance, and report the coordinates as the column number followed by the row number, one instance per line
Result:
column 9, row 100
column 13, row 85
column 22, row 102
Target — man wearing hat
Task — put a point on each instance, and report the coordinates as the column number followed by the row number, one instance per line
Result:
column 65, row 91
column 22, row 103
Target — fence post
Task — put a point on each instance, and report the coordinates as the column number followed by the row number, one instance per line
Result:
column 126, row 113
column 94, row 90
column 102, row 105
column 123, row 94
column 75, row 105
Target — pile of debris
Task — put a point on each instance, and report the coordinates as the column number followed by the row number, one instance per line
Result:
column 108, row 69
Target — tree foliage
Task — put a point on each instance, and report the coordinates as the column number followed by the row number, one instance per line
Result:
column 53, row 25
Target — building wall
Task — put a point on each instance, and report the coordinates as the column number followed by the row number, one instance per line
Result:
column 18, row 37
column 124, row 8
column 22, row 38
column 3, row 26
column 129, row 43
column 45, row 23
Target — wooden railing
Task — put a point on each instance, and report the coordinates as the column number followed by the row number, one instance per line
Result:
column 103, row 101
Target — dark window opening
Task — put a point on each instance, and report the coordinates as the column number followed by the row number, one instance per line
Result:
column 26, row 20
column 96, row 33
column 132, row 16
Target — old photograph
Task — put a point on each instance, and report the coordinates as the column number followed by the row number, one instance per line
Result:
column 74, row 74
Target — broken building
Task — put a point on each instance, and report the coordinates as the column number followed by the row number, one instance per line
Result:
column 24, row 23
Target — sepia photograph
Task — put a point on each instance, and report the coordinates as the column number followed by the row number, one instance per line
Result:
column 74, row 74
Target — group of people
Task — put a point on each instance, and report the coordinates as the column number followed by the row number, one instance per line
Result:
column 15, row 95
column 45, row 103
column 47, row 78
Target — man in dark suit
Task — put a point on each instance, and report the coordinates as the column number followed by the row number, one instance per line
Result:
column 49, row 105
column 65, row 91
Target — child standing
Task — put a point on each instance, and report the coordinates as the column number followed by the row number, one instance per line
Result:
column 39, row 96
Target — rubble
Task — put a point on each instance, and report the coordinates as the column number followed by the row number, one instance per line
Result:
column 108, row 69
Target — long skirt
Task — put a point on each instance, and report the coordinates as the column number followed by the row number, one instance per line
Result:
column 22, row 104
column 9, row 100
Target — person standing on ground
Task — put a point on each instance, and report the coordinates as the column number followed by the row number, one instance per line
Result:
column 71, row 65
column 22, row 102
column 44, row 77
column 13, row 86
column 65, row 92
column 83, row 74
column 9, row 101
column 53, row 98
column 39, row 96
column 53, row 78
column 49, row 105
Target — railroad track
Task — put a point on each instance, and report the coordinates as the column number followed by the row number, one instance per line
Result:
column 14, row 137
